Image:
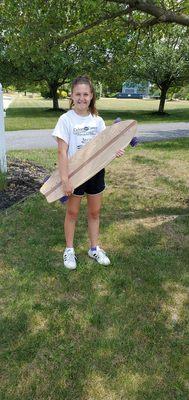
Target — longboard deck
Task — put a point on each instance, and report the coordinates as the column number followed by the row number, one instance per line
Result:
column 89, row 160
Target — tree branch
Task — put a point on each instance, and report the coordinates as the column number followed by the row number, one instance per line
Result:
column 97, row 22
column 161, row 14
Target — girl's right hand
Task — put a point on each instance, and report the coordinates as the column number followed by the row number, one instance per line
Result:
column 67, row 187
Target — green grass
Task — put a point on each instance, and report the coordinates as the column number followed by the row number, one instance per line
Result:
column 100, row 333
column 37, row 113
column 3, row 181
column 144, row 111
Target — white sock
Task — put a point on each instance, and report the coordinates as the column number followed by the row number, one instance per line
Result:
column 70, row 248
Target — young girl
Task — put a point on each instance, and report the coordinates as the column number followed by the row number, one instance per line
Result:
column 73, row 130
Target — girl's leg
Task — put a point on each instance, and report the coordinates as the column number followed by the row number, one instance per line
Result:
column 72, row 211
column 94, row 205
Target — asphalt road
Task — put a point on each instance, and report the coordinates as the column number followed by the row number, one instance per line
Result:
column 42, row 139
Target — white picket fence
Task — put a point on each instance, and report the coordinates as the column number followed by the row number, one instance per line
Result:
column 3, row 160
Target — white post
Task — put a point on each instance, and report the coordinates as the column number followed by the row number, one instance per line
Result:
column 3, row 160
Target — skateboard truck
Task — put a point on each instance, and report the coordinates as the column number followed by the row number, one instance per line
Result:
column 63, row 199
column 134, row 140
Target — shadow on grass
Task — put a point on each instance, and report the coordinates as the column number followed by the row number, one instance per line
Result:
column 171, row 145
column 95, row 332
column 178, row 115
column 145, row 160
column 27, row 112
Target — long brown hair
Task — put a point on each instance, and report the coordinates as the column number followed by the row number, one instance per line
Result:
column 87, row 81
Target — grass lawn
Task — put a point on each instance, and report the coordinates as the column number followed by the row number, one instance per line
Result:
column 115, row 333
column 3, row 182
column 37, row 113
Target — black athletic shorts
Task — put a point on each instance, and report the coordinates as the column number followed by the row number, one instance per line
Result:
column 94, row 185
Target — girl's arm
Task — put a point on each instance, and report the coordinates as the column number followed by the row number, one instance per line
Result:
column 63, row 166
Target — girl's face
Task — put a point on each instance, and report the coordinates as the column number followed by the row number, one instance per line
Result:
column 81, row 97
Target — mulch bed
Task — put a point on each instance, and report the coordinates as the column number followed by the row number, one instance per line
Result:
column 23, row 179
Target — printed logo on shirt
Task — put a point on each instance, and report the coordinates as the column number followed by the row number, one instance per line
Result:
column 86, row 130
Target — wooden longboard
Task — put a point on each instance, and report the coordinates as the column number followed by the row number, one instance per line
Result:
column 89, row 160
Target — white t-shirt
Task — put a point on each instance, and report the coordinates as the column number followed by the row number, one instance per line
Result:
column 76, row 130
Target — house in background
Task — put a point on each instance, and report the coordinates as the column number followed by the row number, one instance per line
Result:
column 133, row 90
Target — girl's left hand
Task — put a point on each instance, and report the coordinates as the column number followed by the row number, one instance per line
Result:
column 120, row 153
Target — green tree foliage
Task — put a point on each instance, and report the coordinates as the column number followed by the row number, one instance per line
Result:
column 34, row 31
column 145, row 13
column 162, row 59
column 31, row 32
column 138, row 14
column 37, row 45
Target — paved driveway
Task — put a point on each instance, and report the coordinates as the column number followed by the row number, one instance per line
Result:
column 40, row 139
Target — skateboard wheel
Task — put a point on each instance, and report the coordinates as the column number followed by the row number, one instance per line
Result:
column 63, row 199
column 117, row 120
column 134, row 141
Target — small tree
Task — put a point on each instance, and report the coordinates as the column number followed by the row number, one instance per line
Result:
column 163, row 59
column 31, row 32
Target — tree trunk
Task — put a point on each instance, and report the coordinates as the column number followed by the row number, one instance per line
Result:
column 164, row 90
column 53, row 88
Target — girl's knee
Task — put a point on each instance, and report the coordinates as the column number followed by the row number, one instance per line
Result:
column 72, row 215
column 94, row 214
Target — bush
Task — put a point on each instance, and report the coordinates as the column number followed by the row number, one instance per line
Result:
column 111, row 94
column 9, row 88
column 62, row 94
column 182, row 94
column 155, row 92
column 45, row 93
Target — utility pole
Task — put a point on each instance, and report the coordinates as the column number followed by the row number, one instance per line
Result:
column 3, row 160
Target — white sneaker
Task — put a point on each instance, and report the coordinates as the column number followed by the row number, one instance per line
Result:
column 99, row 255
column 69, row 259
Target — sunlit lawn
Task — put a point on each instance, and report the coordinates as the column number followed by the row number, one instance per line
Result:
column 116, row 333
column 37, row 113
